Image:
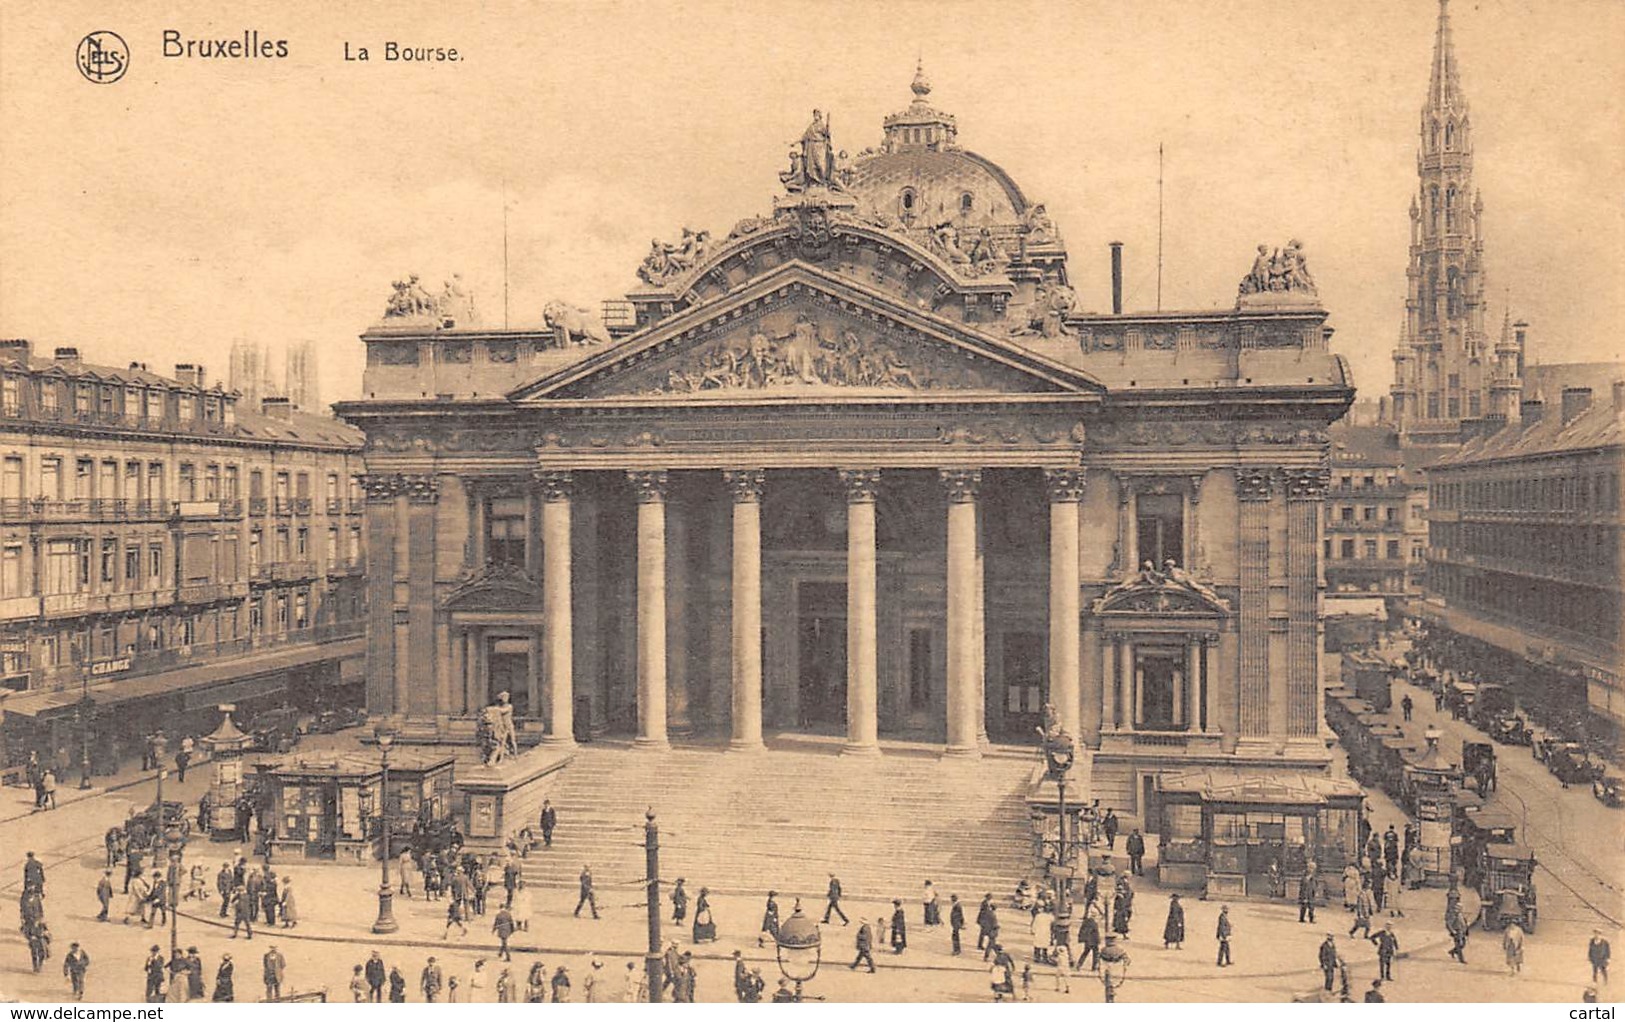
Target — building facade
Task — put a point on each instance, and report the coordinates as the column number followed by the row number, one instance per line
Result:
column 1376, row 529
column 162, row 549
column 1526, row 538
column 861, row 466
column 1445, row 371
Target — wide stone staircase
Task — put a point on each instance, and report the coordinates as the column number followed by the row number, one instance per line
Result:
column 788, row 817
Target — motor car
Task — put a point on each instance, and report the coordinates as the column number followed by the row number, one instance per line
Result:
column 1507, row 887
column 336, row 719
column 1571, row 764
column 1609, row 789
column 1509, row 729
column 275, row 730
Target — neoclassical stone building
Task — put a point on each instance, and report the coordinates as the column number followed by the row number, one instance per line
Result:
column 862, row 466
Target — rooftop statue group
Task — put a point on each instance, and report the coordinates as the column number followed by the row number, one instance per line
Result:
column 452, row 307
column 1283, row 271
column 666, row 260
column 815, row 162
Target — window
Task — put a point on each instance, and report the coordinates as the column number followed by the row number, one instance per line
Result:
column 188, row 481
column 231, row 491
column 354, row 553
column 1433, row 404
column 282, row 613
column 183, row 407
column 282, row 488
column 230, row 571
column 1416, row 512
column 84, row 482
column 211, row 482
column 1454, row 405
column 155, row 564
column 254, row 539
column 332, row 489
column 1345, row 514
column 47, row 396
column 62, row 567
column 1345, row 550
column 11, row 571
column 155, row 405
column 50, row 478
column 966, row 202
column 301, row 610
column 907, row 201
column 1368, row 549
column 108, row 411
column 1160, row 521
column 81, row 399
column 282, row 546
column 155, row 481
column 107, row 483
column 332, row 547
column 1393, row 550
column 301, row 545
column 11, row 478
column 302, row 486
column 132, row 480
column 1368, row 514
column 256, row 617
column 256, row 483
column 11, row 398
column 1473, row 405
column 505, row 537
column 132, row 566
column 1391, row 514
column 109, row 571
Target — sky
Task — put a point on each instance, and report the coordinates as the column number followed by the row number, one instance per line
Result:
column 196, row 201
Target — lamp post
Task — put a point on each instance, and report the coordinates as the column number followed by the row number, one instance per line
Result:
column 158, row 811
column 385, row 923
column 652, row 964
column 799, row 949
column 81, row 716
column 1059, row 753
column 175, row 852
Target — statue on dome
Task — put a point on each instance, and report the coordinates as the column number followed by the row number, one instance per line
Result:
column 1036, row 226
column 814, row 163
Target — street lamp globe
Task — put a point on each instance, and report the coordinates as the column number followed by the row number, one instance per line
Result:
column 799, row 949
column 385, row 923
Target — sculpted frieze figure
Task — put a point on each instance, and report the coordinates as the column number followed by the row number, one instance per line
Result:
column 573, row 326
column 945, row 241
column 1162, row 590
column 1284, row 271
column 666, row 261
column 985, row 252
column 802, row 356
column 1036, row 225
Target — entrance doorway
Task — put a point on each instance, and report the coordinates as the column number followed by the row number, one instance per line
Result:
column 821, row 654
column 508, row 670
column 1024, row 676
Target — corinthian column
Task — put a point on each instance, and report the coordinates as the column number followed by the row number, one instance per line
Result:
column 961, row 486
column 559, row 656
column 862, row 727
column 650, row 488
column 746, row 488
column 1065, row 493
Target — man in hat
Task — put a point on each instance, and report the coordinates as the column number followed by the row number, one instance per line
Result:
column 432, row 981
column 587, row 898
column 1327, row 958
column 104, row 894
column 1597, row 953
column 679, row 902
column 154, row 968
column 242, row 913
column 549, row 822
column 987, row 926
column 1374, row 995
column 74, row 966
column 741, row 976
column 899, row 927
column 376, row 976
column 956, row 920
column 1387, row 949
column 1136, row 852
column 225, row 987
column 669, row 963
column 834, row 904
column 866, row 945
column 33, row 874
column 504, row 928
column 1222, row 932
column 276, row 967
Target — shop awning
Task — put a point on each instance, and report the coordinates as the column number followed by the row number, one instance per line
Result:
column 185, row 679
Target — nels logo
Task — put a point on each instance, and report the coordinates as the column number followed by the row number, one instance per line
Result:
column 103, row 57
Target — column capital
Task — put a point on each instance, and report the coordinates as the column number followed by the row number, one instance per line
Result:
column 1196, row 486
column 1255, row 484
column 556, row 486
column 1065, row 484
column 419, row 487
column 650, row 486
column 744, row 484
column 961, row 483
column 860, row 484
column 1306, row 483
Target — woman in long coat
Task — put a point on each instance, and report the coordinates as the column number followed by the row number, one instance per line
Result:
column 899, row 927
column 933, row 909
column 770, row 918
column 224, row 990
column 1122, row 907
column 705, row 928
column 1351, row 885
column 536, row 984
column 1173, row 931
column 290, row 909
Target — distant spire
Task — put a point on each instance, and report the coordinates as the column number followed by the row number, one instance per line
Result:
column 1444, row 87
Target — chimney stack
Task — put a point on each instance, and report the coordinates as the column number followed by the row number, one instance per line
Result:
column 67, row 356
column 16, row 347
column 1619, row 396
column 1575, row 401
column 1531, row 408
column 1117, row 277
column 186, row 373
column 279, row 408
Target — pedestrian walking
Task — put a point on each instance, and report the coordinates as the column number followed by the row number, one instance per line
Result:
column 987, row 926
column 276, row 968
column 194, row 975
column 104, row 894
column 956, row 921
column 33, row 874
column 48, row 784
column 1002, row 975
column 505, row 987
column 899, row 927
column 637, row 991
column 225, row 885
column 1122, row 907
column 705, row 926
column 374, row 973
column 865, row 944
column 549, row 822
column 1173, row 930
column 242, row 914
column 561, row 985
column 358, row 986
column 1387, row 950
column 1109, row 824
column 833, row 903
column 456, row 915
column 1089, row 940
column 253, row 886
column 931, row 908
column 504, row 928
column 177, row 992
column 225, row 988
column 406, row 868
column 679, row 903
column 477, row 982
column 138, row 900
column 432, row 981
column 1456, row 926
column 1306, row 900
column 1327, row 958
column 1597, row 953
column 1135, row 846
column 1512, row 947
column 588, row 898
column 511, row 878
column 1364, row 909
column 289, row 907
column 1222, row 934
column 1406, row 706
column 1390, row 852
column 1041, row 934
column 770, row 920
column 536, row 984
column 74, row 966
column 397, row 985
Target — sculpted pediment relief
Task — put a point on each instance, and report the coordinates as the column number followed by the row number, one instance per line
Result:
column 497, row 587
column 1171, row 590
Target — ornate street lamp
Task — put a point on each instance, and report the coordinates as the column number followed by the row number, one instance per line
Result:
column 799, row 948
column 385, row 923
column 1059, row 754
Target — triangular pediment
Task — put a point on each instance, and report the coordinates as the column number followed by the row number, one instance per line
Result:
column 1171, row 591
column 802, row 333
